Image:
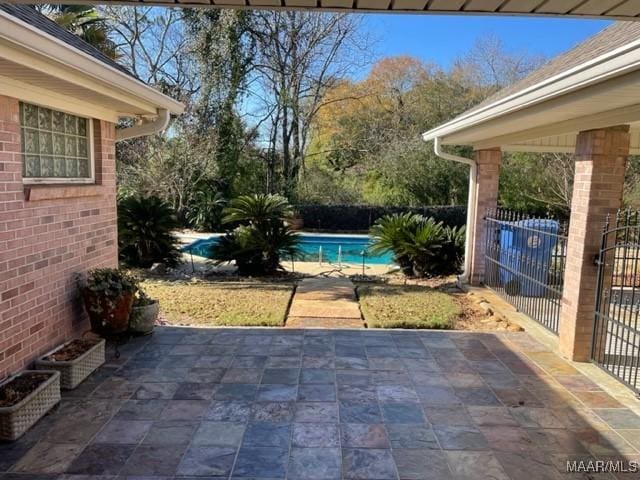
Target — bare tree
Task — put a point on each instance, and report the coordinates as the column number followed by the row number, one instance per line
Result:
column 299, row 55
column 152, row 44
column 490, row 63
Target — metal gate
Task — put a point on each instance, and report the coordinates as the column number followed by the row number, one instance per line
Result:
column 525, row 261
column 616, row 339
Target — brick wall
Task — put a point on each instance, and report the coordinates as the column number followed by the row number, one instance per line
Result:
column 488, row 174
column 47, row 236
column 601, row 157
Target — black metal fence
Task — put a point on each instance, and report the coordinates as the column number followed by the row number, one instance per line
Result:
column 616, row 342
column 525, row 261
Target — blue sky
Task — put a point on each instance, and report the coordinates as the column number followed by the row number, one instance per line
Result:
column 441, row 39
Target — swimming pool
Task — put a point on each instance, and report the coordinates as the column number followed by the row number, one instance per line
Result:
column 351, row 248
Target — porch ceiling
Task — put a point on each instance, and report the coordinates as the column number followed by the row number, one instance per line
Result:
column 604, row 9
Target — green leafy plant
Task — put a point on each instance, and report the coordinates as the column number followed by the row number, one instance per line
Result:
column 144, row 232
column 109, row 283
column 257, row 210
column 391, row 233
column 262, row 237
column 420, row 245
column 108, row 295
column 205, row 214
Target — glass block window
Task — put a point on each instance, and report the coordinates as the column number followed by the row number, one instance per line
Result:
column 55, row 145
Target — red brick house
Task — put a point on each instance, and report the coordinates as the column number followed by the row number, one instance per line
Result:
column 60, row 100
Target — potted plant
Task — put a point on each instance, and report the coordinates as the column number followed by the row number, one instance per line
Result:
column 24, row 399
column 108, row 295
column 75, row 360
column 143, row 314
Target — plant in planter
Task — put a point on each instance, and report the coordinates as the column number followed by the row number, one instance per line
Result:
column 24, row 399
column 75, row 360
column 108, row 296
column 144, row 314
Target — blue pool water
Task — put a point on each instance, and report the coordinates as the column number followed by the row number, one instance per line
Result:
column 352, row 247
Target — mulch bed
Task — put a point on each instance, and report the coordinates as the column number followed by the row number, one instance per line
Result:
column 71, row 350
column 20, row 387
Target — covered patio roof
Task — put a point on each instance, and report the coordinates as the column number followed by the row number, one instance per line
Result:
column 603, row 9
column 594, row 85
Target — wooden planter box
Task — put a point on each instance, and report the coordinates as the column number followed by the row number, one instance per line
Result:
column 17, row 419
column 73, row 372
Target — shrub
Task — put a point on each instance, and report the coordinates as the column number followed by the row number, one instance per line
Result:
column 205, row 214
column 359, row 218
column 421, row 246
column 261, row 238
column 144, row 232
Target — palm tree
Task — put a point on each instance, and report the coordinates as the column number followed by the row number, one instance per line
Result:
column 85, row 22
column 258, row 209
column 145, row 226
column 261, row 238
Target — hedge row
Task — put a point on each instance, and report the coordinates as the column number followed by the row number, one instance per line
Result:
column 358, row 218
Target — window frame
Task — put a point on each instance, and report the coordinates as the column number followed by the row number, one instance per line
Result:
column 90, row 180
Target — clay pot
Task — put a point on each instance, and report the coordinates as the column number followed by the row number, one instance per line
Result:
column 108, row 317
column 143, row 318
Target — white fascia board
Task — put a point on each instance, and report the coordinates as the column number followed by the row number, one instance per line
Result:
column 617, row 62
column 30, row 38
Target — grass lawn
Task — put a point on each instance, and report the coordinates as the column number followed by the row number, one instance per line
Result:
column 215, row 305
column 407, row 306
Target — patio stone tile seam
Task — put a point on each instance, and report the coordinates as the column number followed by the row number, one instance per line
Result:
column 461, row 346
column 557, row 384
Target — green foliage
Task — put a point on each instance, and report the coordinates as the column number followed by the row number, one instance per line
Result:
column 423, row 245
column 420, row 245
column 85, row 22
column 391, row 233
column 262, row 237
column 205, row 213
column 109, row 284
column 360, row 218
column 144, row 232
column 258, row 209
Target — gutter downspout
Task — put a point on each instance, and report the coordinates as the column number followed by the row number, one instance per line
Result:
column 471, row 205
column 158, row 125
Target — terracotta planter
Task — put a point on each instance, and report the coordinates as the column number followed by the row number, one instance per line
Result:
column 108, row 317
column 73, row 372
column 18, row 418
column 143, row 318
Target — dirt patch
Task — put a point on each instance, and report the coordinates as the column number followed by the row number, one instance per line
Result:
column 14, row 391
column 72, row 350
column 477, row 315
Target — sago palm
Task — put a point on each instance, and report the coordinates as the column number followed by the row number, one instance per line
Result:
column 391, row 234
column 257, row 209
column 145, row 236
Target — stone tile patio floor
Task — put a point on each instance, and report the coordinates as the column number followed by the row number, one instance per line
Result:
column 328, row 404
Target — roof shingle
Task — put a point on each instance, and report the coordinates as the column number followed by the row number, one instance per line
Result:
column 41, row 22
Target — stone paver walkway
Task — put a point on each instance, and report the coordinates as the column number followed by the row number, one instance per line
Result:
column 327, row 302
column 328, row 405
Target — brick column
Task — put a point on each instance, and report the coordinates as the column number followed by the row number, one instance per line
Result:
column 486, row 197
column 601, row 157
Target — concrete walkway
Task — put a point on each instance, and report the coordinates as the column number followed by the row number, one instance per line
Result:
column 327, row 302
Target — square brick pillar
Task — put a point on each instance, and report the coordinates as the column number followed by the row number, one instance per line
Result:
column 600, row 157
column 486, row 198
